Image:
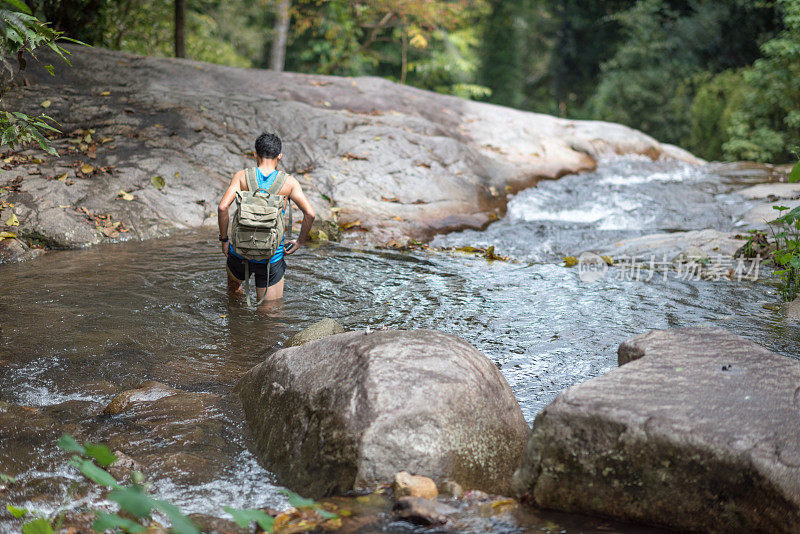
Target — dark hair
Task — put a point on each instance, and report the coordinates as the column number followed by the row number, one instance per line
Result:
column 268, row 146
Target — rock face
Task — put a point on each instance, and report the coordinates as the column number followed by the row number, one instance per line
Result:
column 397, row 160
column 698, row 430
column 351, row 410
column 318, row 330
column 709, row 243
column 771, row 190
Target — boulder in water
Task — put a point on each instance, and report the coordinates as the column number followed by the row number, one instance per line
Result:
column 349, row 411
column 698, row 430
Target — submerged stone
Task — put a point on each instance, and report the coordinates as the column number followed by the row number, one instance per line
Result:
column 318, row 330
column 698, row 430
column 351, row 410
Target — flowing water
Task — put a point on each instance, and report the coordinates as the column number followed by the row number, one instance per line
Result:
column 79, row 327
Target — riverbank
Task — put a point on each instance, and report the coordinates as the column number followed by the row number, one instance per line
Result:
column 142, row 155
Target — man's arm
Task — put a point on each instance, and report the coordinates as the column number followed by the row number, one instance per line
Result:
column 296, row 195
column 223, row 214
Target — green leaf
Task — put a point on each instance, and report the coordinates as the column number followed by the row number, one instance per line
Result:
column 133, row 500
column 69, row 444
column 50, row 69
column 243, row 518
column 794, row 176
column 37, row 526
column 297, row 501
column 19, row 4
column 94, row 473
column 113, row 521
column 100, row 453
column 325, row 514
column 180, row 523
column 158, row 182
column 5, row 478
column 16, row 512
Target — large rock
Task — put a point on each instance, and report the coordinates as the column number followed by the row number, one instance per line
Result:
column 710, row 243
column 351, row 410
column 399, row 160
column 763, row 214
column 700, row 431
column 771, row 191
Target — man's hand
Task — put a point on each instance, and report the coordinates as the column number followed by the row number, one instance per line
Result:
column 291, row 246
column 225, row 248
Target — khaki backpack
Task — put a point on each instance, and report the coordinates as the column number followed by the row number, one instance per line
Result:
column 258, row 224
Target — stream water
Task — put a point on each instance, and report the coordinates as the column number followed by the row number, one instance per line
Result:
column 79, row 327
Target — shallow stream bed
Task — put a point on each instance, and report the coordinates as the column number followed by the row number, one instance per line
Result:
column 79, row 327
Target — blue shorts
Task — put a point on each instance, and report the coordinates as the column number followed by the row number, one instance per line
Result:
column 276, row 270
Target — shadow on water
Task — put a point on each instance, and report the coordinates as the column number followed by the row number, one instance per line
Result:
column 79, row 327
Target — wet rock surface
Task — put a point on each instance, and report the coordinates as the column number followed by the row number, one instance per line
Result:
column 391, row 160
column 699, row 243
column 698, row 430
column 351, row 410
column 408, row 485
column 318, row 330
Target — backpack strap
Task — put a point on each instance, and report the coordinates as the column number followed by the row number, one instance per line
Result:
column 276, row 186
column 250, row 179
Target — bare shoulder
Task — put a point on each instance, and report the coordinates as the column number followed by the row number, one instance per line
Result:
column 290, row 185
column 239, row 178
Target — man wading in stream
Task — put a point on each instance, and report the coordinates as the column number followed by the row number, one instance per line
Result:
column 273, row 186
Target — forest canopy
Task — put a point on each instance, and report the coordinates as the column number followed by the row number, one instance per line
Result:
column 717, row 77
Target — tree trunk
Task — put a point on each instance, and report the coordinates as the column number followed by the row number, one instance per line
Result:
column 278, row 56
column 180, row 28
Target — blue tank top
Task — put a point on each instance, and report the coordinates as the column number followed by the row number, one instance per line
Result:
column 264, row 182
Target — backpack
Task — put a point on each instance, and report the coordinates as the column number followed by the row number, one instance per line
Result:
column 258, row 225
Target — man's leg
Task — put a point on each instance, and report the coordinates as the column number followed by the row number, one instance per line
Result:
column 234, row 284
column 274, row 292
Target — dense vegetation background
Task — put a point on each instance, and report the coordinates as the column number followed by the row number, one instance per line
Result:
column 718, row 77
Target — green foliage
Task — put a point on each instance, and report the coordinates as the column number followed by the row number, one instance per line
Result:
column 228, row 33
column 716, row 99
column 135, row 502
column 243, row 518
column 113, row 522
column 786, row 234
column 768, row 124
column 16, row 512
column 20, row 33
column 37, row 526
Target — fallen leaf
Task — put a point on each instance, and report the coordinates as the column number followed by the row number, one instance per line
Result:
column 124, row 195
column 46, row 104
column 109, row 231
column 158, row 182
column 223, row 316
column 177, row 175
column 65, row 206
column 12, row 221
column 322, row 236
column 7, row 235
column 61, row 177
column 347, row 226
column 87, row 169
column 397, row 218
column 335, row 209
column 105, row 93
column 377, row 138
column 570, row 261
column 608, row 259
column 87, row 138
column 106, row 140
